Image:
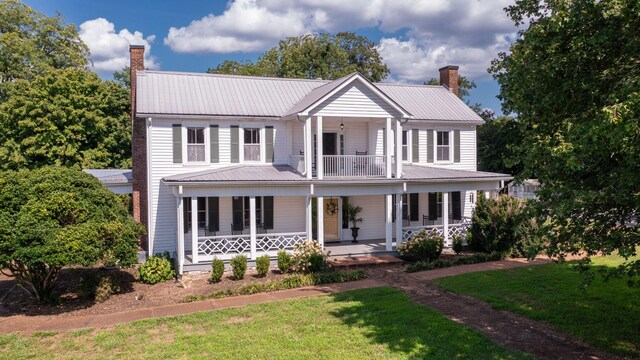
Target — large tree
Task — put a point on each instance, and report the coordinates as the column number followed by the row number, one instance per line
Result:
column 498, row 146
column 65, row 117
column 31, row 43
column 323, row 55
column 54, row 217
column 465, row 85
column 573, row 80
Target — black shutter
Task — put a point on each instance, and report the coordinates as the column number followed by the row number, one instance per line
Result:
column 186, row 219
column 214, row 213
column 393, row 208
column 345, row 212
column 414, row 209
column 415, row 146
column 433, row 206
column 456, row 146
column 236, row 209
column 268, row 143
column 177, row 143
column 268, row 211
column 235, row 144
column 430, row 143
column 456, row 205
column 214, row 140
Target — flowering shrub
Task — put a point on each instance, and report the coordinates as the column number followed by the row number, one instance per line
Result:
column 303, row 254
column 423, row 246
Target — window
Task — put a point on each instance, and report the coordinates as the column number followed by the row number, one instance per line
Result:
column 404, row 146
column 471, row 198
column 251, row 144
column 439, row 202
column 442, row 146
column 202, row 213
column 247, row 212
column 195, row 145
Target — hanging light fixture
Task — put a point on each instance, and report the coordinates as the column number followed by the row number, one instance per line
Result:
column 341, row 124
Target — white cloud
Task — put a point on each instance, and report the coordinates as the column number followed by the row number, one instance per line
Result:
column 433, row 33
column 110, row 50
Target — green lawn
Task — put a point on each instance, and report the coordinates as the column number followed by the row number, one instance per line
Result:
column 363, row 324
column 606, row 315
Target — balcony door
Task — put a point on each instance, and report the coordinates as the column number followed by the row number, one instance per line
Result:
column 330, row 147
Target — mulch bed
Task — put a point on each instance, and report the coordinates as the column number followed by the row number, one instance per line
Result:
column 135, row 295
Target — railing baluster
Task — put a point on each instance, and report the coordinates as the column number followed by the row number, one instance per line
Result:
column 354, row 165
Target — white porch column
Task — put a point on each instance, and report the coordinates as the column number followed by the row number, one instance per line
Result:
column 487, row 194
column 308, row 148
column 389, row 147
column 320, row 212
column 309, row 218
column 398, row 149
column 389, row 222
column 252, row 226
column 319, row 160
column 398, row 219
column 445, row 217
column 194, row 229
column 180, row 233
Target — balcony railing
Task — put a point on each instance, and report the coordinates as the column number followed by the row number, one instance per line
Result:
column 354, row 166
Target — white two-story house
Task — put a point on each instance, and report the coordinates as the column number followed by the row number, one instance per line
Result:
column 226, row 165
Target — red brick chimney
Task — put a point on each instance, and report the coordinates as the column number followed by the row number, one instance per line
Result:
column 449, row 78
column 138, row 147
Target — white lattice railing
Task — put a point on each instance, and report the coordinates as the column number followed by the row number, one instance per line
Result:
column 224, row 246
column 454, row 229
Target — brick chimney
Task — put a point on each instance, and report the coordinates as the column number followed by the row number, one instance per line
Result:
column 449, row 78
column 138, row 147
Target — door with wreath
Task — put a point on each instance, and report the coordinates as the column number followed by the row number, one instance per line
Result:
column 331, row 216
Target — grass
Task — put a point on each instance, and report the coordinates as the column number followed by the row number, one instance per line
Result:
column 363, row 324
column 604, row 314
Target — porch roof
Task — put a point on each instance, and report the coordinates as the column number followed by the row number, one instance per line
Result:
column 241, row 173
column 112, row 176
column 420, row 172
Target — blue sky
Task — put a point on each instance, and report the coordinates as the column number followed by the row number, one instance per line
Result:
column 416, row 37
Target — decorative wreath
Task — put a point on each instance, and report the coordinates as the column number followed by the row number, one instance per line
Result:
column 332, row 208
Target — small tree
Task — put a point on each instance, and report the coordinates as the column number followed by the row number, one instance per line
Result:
column 54, row 217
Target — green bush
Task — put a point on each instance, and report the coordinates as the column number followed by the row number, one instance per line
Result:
column 458, row 243
column 302, row 254
column 423, row 246
column 217, row 270
column 462, row 260
column 317, row 263
column 238, row 266
column 98, row 287
column 503, row 225
column 284, row 261
column 290, row 282
column 106, row 287
column 156, row 269
column 262, row 265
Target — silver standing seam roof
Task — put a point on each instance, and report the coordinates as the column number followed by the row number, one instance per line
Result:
column 112, row 176
column 285, row 173
column 199, row 94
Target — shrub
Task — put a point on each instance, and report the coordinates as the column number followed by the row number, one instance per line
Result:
column 458, row 243
column 156, row 269
column 423, row 246
column 262, row 265
column 107, row 286
column 317, row 263
column 302, row 253
column 217, row 270
column 98, row 287
column 284, row 261
column 238, row 266
column 503, row 225
column 462, row 260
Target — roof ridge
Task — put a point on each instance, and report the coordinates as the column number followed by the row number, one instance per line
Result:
column 187, row 73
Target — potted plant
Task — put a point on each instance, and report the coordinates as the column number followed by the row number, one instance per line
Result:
column 352, row 214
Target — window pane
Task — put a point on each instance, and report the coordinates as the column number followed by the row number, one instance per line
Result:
column 195, row 136
column 195, row 152
column 404, row 137
column 252, row 152
column 443, row 138
column 252, row 136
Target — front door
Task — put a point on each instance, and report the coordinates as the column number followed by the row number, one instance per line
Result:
column 331, row 219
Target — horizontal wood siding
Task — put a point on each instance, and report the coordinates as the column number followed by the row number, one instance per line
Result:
column 467, row 145
column 355, row 100
column 373, row 214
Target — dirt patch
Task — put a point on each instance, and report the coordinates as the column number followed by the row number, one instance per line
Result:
column 512, row 330
column 135, row 295
column 237, row 320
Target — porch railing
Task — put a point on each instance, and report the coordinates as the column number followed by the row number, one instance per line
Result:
column 354, row 165
column 454, row 229
column 226, row 246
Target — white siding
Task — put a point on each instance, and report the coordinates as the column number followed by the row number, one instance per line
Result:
column 355, row 100
column 467, row 145
column 373, row 214
column 297, row 134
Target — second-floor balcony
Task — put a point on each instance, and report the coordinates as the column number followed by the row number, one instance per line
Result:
column 343, row 166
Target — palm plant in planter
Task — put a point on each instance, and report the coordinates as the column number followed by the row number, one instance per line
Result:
column 352, row 214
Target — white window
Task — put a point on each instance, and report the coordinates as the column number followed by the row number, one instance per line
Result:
column 195, row 145
column 405, row 146
column 251, row 144
column 247, row 211
column 439, row 201
column 443, row 149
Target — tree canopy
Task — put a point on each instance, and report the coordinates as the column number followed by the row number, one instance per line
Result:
column 31, row 43
column 323, row 55
column 573, row 81
column 465, row 85
column 65, row 117
column 498, row 146
column 55, row 216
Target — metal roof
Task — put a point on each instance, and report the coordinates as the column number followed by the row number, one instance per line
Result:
column 199, row 94
column 419, row 172
column 241, row 173
column 112, row 176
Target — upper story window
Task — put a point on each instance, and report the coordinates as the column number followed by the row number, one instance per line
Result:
column 251, row 144
column 195, row 145
column 405, row 146
column 443, row 148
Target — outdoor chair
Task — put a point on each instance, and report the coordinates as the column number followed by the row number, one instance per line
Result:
column 236, row 229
